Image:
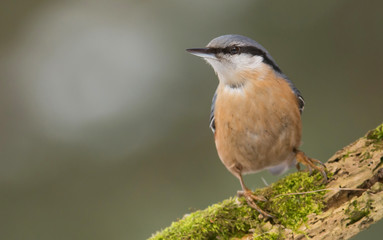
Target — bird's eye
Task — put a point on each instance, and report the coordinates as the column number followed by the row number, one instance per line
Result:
column 234, row 50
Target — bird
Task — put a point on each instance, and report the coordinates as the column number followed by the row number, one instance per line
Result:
column 256, row 112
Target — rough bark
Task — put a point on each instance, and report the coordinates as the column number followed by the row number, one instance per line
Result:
column 347, row 213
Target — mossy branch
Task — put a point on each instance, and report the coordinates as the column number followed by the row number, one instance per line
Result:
column 303, row 207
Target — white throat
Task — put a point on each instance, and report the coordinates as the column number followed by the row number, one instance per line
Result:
column 229, row 70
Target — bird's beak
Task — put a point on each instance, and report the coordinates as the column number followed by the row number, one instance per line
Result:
column 202, row 52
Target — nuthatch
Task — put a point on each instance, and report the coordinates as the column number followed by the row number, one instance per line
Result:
column 255, row 113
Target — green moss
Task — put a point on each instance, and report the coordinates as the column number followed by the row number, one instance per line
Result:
column 355, row 212
column 292, row 210
column 267, row 236
column 230, row 218
column 374, row 139
column 376, row 135
column 225, row 219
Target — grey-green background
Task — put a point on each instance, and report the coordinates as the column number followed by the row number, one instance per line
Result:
column 104, row 116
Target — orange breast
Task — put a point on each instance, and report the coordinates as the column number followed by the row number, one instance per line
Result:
column 258, row 125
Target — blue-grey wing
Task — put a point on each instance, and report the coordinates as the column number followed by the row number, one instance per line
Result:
column 300, row 99
column 212, row 119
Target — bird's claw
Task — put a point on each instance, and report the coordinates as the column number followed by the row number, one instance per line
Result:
column 311, row 164
column 251, row 198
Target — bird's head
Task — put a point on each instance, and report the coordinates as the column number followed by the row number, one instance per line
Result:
column 231, row 55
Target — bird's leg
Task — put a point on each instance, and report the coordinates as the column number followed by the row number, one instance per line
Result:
column 251, row 198
column 311, row 164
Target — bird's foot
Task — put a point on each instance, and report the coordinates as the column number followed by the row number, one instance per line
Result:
column 251, row 198
column 311, row 164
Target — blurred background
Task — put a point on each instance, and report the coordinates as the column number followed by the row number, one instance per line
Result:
column 104, row 116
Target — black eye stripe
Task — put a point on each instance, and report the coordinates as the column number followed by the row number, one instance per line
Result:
column 228, row 50
column 246, row 50
column 253, row 51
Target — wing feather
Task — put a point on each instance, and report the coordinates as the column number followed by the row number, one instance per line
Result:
column 212, row 118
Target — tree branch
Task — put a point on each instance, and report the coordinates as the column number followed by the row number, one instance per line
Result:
column 349, row 203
